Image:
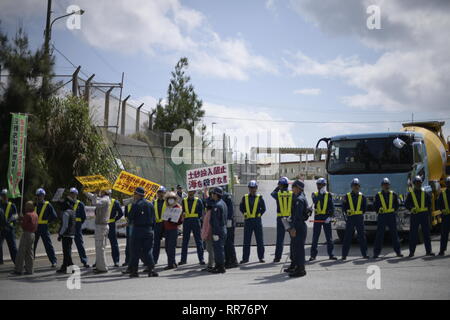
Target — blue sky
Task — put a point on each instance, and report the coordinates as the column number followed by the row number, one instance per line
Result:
column 295, row 60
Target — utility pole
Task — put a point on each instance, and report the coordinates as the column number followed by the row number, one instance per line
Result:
column 47, row 35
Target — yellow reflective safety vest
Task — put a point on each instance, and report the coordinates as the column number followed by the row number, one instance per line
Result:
column 41, row 214
column 446, row 209
column 285, row 203
column 8, row 211
column 320, row 209
column 128, row 211
column 75, row 207
column 158, row 215
column 384, row 208
column 248, row 214
column 192, row 213
column 417, row 208
column 111, row 206
column 352, row 210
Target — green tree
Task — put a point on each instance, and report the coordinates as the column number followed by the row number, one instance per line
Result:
column 62, row 141
column 182, row 107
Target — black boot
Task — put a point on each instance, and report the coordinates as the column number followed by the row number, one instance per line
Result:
column 290, row 269
column 152, row 273
column 298, row 272
column 219, row 269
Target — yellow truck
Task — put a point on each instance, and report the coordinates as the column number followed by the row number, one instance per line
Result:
column 420, row 148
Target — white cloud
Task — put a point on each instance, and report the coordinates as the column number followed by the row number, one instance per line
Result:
column 413, row 70
column 308, row 91
column 246, row 133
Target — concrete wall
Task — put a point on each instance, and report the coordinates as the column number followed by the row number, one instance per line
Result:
column 265, row 187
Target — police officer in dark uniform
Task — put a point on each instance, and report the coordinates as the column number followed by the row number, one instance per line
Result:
column 46, row 213
column 324, row 210
column 115, row 215
column 219, row 214
column 298, row 229
column 142, row 217
column 354, row 206
column 253, row 207
column 386, row 204
column 230, row 250
column 8, row 233
column 284, row 200
column 419, row 203
column 66, row 235
column 443, row 204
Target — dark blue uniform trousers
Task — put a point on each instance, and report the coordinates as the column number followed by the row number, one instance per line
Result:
column 230, row 250
column 298, row 245
column 219, row 249
column 157, row 241
column 80, row 243
column 253, row 225
column 42, row 232
column 191, row 224
column 10, row 236
column 416, row 220
column 354, row 222
column 445, row 228
column 281, row 232
column 317, row 228
column 171, row 245
column 386, row 220
column 127, row 245
column 141, row 247
column 112, row 236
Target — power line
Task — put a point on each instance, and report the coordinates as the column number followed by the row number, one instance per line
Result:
column 323, row 122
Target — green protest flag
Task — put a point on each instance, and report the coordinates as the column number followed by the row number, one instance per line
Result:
column 17, row 145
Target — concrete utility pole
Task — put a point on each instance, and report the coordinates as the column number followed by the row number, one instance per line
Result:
column 124, row 112
column 106, row 116
column 138, row 117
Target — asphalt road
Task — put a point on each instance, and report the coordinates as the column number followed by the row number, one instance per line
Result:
column 401, row 278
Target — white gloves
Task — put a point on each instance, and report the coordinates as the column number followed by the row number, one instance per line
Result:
column 215, row 238
column 229, row 223
column 328, row 220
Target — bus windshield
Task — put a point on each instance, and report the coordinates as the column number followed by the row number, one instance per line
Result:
column 378, row 155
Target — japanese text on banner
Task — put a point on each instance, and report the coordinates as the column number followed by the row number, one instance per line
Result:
column 127, row 183
column 207, row 177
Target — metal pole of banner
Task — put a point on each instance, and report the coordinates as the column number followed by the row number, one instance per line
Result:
column 24, row 159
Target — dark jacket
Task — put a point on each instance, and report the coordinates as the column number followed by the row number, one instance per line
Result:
column 346, row 205
column 198, row 208
column 377, row 204
column 251, row 200
column 116, row 212
column 440, row 201
column 12, row 215
column 68, row 224
column 320, row 198
column 142, row 214
column 299, row 212
column 274, row 195
column 218, row 219
column 229, row 202
column 409, row 203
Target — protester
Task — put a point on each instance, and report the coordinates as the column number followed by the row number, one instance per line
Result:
column 171, row 231
column 102, row 212
column 207, row 234
column 29, row 223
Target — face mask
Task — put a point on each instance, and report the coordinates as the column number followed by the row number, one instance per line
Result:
column 323, row 190
column 171, row 201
